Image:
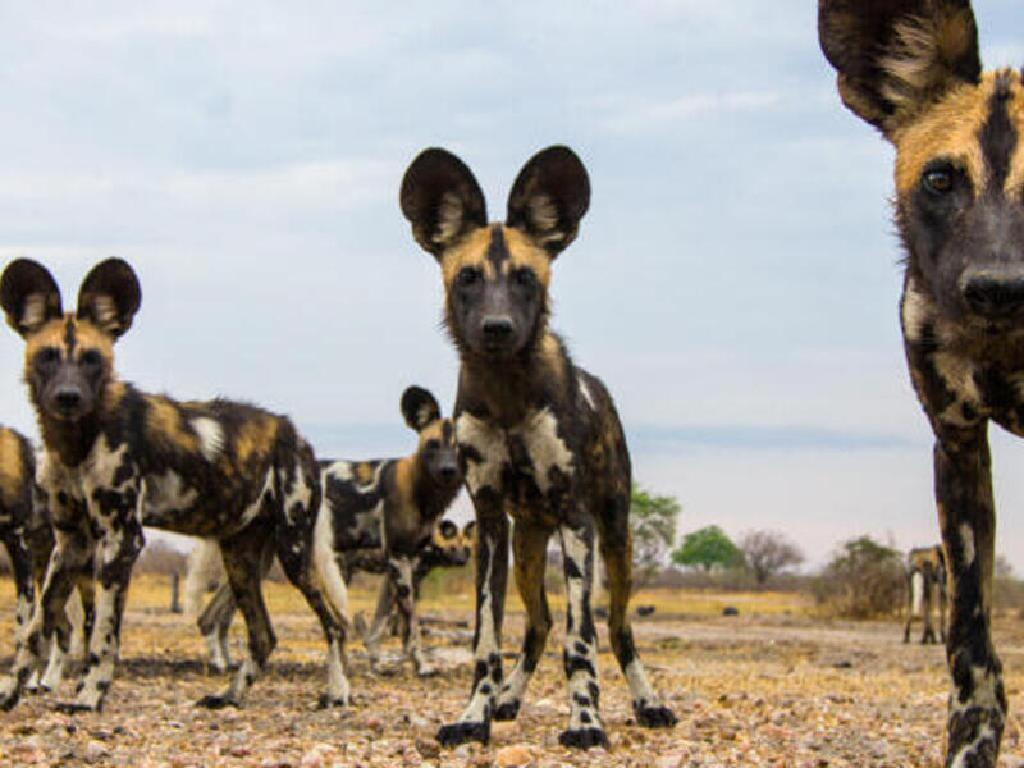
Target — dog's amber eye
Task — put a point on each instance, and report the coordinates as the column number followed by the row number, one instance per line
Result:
column 467, row 276
column 938, row 180
column 91, row 358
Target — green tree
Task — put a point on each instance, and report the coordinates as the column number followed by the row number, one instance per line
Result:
column 706, row 548
column 863, row 579
column 652, row 519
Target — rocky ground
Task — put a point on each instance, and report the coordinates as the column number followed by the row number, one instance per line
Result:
column 774, row 690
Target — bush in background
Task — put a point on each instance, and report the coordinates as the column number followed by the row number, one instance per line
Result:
column 865, row 579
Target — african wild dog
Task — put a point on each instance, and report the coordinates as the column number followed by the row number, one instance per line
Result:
column 912, row 69
column 448, row 548
column 540, row 437
column 377, row 516
column 27, row 535
column 18, row 522
column 926, row 585
column 117, row 458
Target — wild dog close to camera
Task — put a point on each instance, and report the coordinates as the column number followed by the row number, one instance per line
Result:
column 541, row 439
column 117, row 458
column 926, row 589
column 911, row 68
column 377, row 516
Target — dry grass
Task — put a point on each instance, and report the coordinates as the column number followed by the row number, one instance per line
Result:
column 774, row 687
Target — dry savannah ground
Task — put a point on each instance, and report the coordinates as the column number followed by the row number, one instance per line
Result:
column 773, row 687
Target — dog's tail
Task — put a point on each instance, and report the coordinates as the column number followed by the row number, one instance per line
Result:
column 204, row 570
column 325, row 562
column 917, row 593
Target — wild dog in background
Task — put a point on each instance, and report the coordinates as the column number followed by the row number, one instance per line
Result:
column 19, row 525
column 449, row 548
column 541, row 440
column 911, row 68
column 377, row 516
column 116, row 458
column 926, row 586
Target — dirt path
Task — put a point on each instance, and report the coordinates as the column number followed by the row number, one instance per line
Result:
column 749, row 692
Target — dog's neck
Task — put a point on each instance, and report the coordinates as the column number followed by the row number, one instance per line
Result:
column 508, row 389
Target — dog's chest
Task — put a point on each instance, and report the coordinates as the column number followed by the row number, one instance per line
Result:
column 531, row 463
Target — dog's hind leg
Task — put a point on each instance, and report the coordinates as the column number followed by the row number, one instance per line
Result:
column 529, row 549
column 241, row 554
column 616, row 545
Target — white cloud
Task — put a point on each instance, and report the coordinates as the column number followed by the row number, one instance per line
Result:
column 638, row 116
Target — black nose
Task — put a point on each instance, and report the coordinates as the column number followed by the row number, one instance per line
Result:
column 68, row 398
column 448, row 473
column 993, row 293
column 498, row 328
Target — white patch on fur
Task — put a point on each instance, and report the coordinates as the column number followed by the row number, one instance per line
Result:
column 486, row 646
column 211, row 437
column 251, row 512
column 917, row 592
column 340, row 470
column 546, row 449
column 203, row 567
column 219, row 658
column 325, row 564
column 489, row 443
column 967, row 537
column 958, row 375
column 166, row 493
column 915, row 311
column 585, row 391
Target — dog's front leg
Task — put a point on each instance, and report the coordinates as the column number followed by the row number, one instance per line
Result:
column 121, row 540
column 49, row 619
column 474, row 724
column 401, row 571
column 977, row 702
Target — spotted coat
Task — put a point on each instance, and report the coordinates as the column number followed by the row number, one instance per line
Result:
column 541, row 440
column 117, row 458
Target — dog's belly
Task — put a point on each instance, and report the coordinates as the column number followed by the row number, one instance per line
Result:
column 171, row 503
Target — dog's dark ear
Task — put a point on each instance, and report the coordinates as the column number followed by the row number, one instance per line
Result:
column 469, row 530
column 441, row 199
column 110, row 296
column 896, row 57
column 448, row 530
column 419, row 408
column 549, row 197
column 29, row 295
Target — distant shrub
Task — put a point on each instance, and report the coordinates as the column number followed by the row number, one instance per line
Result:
column 864, row 579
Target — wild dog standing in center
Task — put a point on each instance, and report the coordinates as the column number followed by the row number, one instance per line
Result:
column 377, row 516
column 541, row 439
column 117, row 458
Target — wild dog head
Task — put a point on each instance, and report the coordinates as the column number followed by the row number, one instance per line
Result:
column 438, row 451
column 912, row 69
column 495, row 275
column 454, row 545
column 69, row 356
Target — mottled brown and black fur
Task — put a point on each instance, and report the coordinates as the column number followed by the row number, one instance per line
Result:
column 912, row 69
column 116, row 458
column 17, row 522
column 926, row 589
column 541, row 439
column 378, row 516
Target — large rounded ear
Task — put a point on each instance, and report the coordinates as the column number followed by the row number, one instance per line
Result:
column 419, row 408
column 549, row 197
column 29, row 295
column 110, row 296
column 896, row 57
column 441, row 199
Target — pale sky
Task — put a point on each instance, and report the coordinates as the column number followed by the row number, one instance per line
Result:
column 734, row 283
